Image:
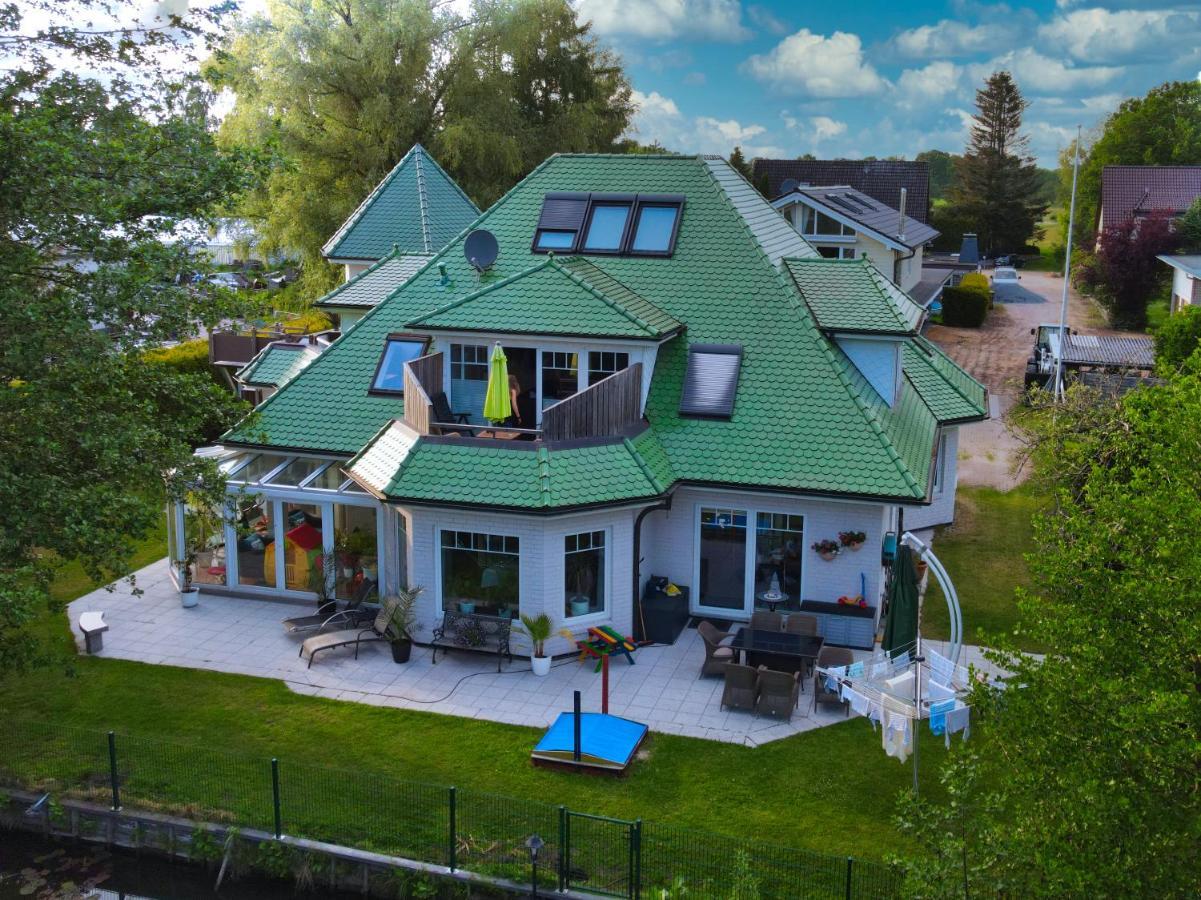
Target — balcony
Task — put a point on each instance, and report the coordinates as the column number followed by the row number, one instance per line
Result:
column 235, row 347
column 605, row 409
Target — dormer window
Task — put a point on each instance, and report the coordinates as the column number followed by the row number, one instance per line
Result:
column 711, row 381
column 610, row 224
column 398, row 350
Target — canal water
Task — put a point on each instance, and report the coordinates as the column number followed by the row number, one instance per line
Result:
column 33, row 868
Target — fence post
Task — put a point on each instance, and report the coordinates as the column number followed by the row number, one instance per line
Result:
column 112, row 770
column 564, row 848
column 279, row 820
column 452, row 849
column 850, row 863
column 636, row 858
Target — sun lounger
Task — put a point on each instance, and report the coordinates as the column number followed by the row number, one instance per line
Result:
column 353, row 615
column 376, row 631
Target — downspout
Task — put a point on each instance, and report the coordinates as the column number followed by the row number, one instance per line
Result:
column 898, row 260
column 639, row 622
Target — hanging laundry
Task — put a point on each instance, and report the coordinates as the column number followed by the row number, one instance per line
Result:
column 880, row 670
column 859, row 704
column 901, row 660
column 959, row 719
column 897, row 730
column 832, row 674
column 875, row 713
column 938, row 691
column 938, row 715
column 941, row 666
column 855, row 670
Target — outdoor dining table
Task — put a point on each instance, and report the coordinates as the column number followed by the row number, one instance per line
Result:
column 778, row 650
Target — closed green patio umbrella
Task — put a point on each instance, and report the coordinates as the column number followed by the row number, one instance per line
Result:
column 497, row 406
column 900, row 629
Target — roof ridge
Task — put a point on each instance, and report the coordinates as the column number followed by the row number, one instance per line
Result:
column 544, row 477
column 885, row 288
column 429, row 158
column 641, row 463
column 479, row 292
column 600, row 295
column 388, row 257
column 931, row 350
column 359, row 210
column 423, row 201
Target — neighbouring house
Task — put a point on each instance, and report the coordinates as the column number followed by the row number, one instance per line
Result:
column 880, row 179
column 411, row 215
column 843, row 223
column 1134, row 192
column 273, row 367
column 700, row 395
column 1186, row 280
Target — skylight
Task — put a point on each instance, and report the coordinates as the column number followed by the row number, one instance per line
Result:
column 398, row 350
column 711, row 380
column 611, row 224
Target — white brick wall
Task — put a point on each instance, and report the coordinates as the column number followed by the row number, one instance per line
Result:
column 942, row 510
column 541, row 565
column 669, row 539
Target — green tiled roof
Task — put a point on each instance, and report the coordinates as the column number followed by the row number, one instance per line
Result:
column 562, row 297
column 850, row 295
column 375, row 283
column 464, row 471
column 417, row 207
column 951, row 394
column 804, row 420
column 275, row 364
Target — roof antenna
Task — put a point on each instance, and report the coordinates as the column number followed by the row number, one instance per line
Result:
column 444, row 280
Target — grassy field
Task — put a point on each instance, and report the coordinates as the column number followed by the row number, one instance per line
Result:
column 783, row 792
column 984, row 552
column 1048, row 260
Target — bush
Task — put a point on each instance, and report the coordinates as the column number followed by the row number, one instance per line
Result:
column 977, row 281
column 190, row 356
column 1177, row 338
column 966, row 304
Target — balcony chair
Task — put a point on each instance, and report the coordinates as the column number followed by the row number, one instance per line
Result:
column 443, row 413
column 376, row 631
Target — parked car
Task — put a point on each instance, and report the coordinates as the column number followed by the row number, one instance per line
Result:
column 1004, row 261
column 232, row 280
column 277, row 279
column 1004, row 275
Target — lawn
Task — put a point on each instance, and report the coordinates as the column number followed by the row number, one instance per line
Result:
column 1051, row 241
column 984, row 553
column 832, row 790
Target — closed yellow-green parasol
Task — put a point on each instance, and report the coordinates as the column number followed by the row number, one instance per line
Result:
column 497, row 406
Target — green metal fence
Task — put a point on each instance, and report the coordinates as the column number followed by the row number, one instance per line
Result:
column 456, row 827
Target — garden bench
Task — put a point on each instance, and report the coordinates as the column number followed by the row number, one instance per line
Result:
column 473, row 631
column 93, row 626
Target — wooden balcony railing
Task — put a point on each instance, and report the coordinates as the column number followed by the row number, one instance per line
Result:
column 602, row 410
column 423, row 381
column 232, row 347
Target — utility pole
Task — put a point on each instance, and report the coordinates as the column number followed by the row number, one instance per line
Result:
column 1067, row 276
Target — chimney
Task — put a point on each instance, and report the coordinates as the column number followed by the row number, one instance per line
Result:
column 901, row 217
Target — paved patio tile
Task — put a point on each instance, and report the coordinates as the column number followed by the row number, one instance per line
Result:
column 244, row 636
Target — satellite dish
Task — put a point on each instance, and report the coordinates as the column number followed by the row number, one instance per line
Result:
column 481, row 249
column 788, row 185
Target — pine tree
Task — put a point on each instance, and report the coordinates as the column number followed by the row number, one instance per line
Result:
column 739, row 162
column 998, row 182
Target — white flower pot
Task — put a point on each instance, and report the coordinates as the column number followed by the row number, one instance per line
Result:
column 189, row 598
column 580, row 605
column 540, row 665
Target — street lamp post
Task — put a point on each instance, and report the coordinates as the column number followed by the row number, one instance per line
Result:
column 534, row 843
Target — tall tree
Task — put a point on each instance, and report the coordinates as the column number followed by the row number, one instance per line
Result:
column 1083, row 777
column 741, row 163
column 339, row 90
column 97, row 174
column 1126, row 271
column 942, row 172
column 1161, row 129
column 997, row 182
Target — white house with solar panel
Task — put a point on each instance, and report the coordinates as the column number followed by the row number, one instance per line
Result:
column 693, row 394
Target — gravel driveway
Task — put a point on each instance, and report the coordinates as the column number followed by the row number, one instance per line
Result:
column 996, row 354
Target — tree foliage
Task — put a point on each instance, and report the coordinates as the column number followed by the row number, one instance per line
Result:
column 1188, row 227
column 1125, row 272
column 98, row 174
column 1161, row 129
column 942, row 171
column 1178, row 338
column 1083, row 777
column 998, row 185
column 339, row 90
column 741, row 164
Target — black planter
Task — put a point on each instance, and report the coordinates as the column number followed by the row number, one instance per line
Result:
column 401, row 650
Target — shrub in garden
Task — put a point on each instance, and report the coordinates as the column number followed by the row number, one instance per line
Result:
column 966, row 307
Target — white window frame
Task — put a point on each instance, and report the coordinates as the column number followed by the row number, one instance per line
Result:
column 439, row 606
column 606, row 613
column 940, row 463
column 748, row 579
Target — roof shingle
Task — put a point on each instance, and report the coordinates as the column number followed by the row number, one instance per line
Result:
column 1129, row 191
column 881, row 179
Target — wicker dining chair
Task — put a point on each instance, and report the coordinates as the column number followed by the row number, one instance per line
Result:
column 798, row 623
column 762, row 620
column 779, row 692
column 717, row 655
column 830, row 657
column 742, row 688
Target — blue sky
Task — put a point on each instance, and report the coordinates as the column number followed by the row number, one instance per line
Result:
column 879, row 78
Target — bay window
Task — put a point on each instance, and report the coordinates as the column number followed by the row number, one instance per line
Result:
column 480, row 573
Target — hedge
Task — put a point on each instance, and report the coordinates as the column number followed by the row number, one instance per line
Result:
column 965, row 306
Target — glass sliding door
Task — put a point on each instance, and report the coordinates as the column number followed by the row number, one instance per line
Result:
column 356, row 543
column 302, row 546
column 256, row 535
column 778, row 543
column 722, row 559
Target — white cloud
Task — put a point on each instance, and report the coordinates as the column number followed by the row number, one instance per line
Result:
column 950, row 38
column 695, row 79
column 814, row 65
column 659, row 119
column 1035, row 73
column 1100, row 35
column 714, row 20
column 764, row 18
column 919, row 87
column 825, row 128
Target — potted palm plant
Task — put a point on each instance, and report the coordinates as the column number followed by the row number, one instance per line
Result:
column 537, row 629
column 402, row 623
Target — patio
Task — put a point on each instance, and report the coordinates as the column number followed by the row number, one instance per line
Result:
column 244, row 636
